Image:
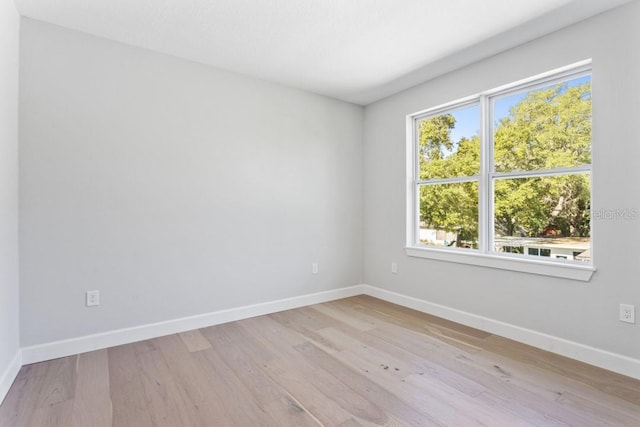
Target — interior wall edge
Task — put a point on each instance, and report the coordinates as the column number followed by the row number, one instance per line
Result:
column 9, row 375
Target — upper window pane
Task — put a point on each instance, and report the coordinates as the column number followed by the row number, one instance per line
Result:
column 449, row 144
column 544, row 128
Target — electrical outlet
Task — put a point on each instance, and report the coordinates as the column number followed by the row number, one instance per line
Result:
column 627, row 313
column 93, row 298
column 314, row 268
column 394, row 267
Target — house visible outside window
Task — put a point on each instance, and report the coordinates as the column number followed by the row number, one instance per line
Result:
column 506, row 173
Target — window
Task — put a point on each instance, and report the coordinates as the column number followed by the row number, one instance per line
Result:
column 506, row 175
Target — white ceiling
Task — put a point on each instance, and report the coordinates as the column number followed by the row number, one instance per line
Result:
column 355, row 50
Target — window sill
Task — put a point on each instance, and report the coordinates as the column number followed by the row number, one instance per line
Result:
column 545, row 268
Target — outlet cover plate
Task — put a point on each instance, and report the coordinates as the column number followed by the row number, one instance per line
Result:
column 93, row 298
column 627, row 313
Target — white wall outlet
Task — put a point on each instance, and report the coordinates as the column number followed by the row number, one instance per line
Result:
column 93, row 298
column 314, row 268
column 394, row 267
column 627, row 313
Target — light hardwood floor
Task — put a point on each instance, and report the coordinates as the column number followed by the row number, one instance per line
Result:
column 357, row 361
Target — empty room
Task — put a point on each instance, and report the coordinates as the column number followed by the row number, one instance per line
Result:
column 319, row 213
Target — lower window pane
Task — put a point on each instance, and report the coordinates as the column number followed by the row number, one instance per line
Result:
column 449, row 215
column 544, row 217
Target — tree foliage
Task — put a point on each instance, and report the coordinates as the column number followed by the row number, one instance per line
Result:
column 547, row 129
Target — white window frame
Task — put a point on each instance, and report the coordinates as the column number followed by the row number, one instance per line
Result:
column 485, row 256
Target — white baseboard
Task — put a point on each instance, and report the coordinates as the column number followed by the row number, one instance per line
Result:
column 9, row 375
column 604, row 359
column 52, row 350
column 614, row 362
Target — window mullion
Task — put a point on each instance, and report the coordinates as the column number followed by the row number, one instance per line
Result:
column 413, row 214
column 457, row 179
column 484, row 183
column 542, row 172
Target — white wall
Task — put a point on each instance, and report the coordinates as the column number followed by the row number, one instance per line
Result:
column 9, row 341
column 173, row 188
column 586, row 313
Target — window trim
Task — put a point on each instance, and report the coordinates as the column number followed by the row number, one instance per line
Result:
column 485, row 256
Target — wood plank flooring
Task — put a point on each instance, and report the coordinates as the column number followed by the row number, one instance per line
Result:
column 353, row 362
